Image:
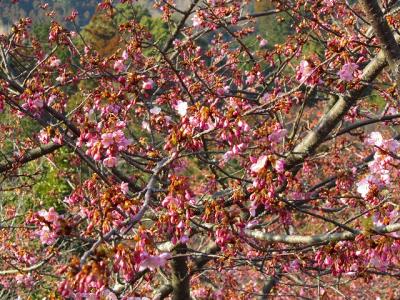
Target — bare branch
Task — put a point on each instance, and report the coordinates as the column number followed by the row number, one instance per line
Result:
column 319, row 238
column 29, row 156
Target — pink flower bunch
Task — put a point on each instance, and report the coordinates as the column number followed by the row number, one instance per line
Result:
column 55, row 62
column 44, row 136
column 197, row 20
column 347, row 71
column 25, row 279
column 33, row 103
column 148, row 84
column 181, row 107
column 49, row 222
column 153, row 262
column 277, row 136
column 380, row 167
column 119, row 66
column 222, row 237
column 364, row 185
column 306, row 73
column 263, row 43
column 113, row 141
column 260, row 164
column 280, row 166
column 75, row 198
column 116, row 139
column 236, row 150
column 222, row 91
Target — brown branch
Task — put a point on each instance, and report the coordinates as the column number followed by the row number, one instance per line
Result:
column 382, row 30
column 29, row 156
column 26, row 270
column 270, row 283
column 362, row 124
column 180, row 279
column 200, row 262
column 319, row 238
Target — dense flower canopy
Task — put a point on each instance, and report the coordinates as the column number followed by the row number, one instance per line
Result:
column 205, row 162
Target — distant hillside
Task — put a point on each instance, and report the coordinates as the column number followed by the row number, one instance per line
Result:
column 10, row 13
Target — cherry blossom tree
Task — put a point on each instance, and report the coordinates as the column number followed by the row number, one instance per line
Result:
column 209, row 164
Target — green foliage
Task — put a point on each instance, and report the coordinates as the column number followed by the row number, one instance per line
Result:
column 128, row 12
column 274, row 28
column 40, row 30
column 102, row 33
column 52, row 188
column 377, row 100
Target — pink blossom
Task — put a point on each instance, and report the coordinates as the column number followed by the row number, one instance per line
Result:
column 148, row 84
column 222, row 91
column 304, row 71
column 153, row 262
column 107, row 139
column 108, row 295
column 197, row 21
column 277, row 136
column 125, row 55
column 250, row 79
column 146, row 126
column 392, row 145
column 119, row 66
column 110, row 162
column 51, row 99
column 347, row 71
column 227, row 156
column 280, row 166
column 54, row 63
column 252, row 223
column 124, row 187
column 120, row 139
column 263, row 43
column 62, row 78
column 24, row 279
column 50, row 216
column 375, row 139
column 47, row 236
column 364, row 185
column 184, row 239
column 260, row 164
column 181, row 107
column 44, row 136
column 73, row 16
column 58, row 139
column 222, row 237
column 37, row 103
column 253, row 208
column 181, row 225
column 266, row 98
column 155, row 110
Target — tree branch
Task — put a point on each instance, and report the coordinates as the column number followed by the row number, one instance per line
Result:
column 319, row 238
column 29, row 156
column 180, row 279
column 382, row 30
column 270, row 283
